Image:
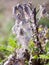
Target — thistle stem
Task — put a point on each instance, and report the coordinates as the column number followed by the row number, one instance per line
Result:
column 38, row 42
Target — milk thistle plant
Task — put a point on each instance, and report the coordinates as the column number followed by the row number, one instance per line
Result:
column 30, row 35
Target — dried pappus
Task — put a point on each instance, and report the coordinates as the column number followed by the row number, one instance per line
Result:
column 24, row 32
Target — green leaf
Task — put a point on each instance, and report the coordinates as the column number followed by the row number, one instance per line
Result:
column 35, row 57
column 44, row 56
column 9, row 48
column 31, row 45
column 12, row 42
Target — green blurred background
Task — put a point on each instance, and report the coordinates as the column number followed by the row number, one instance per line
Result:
column 8, row 41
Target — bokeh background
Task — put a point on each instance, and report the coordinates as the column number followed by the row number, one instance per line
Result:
column 7, row 40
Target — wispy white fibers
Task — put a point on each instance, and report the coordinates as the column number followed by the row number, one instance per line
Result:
column 22, row 27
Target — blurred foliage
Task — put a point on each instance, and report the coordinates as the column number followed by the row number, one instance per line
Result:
column 44, row 21
column 47, row 47
column 47, row 64
column 31, row 45
column 9, row 42
column 1, row 16
column 44, row 56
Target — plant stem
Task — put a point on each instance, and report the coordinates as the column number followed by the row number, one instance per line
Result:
column 36, row 25
column 38, row 42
